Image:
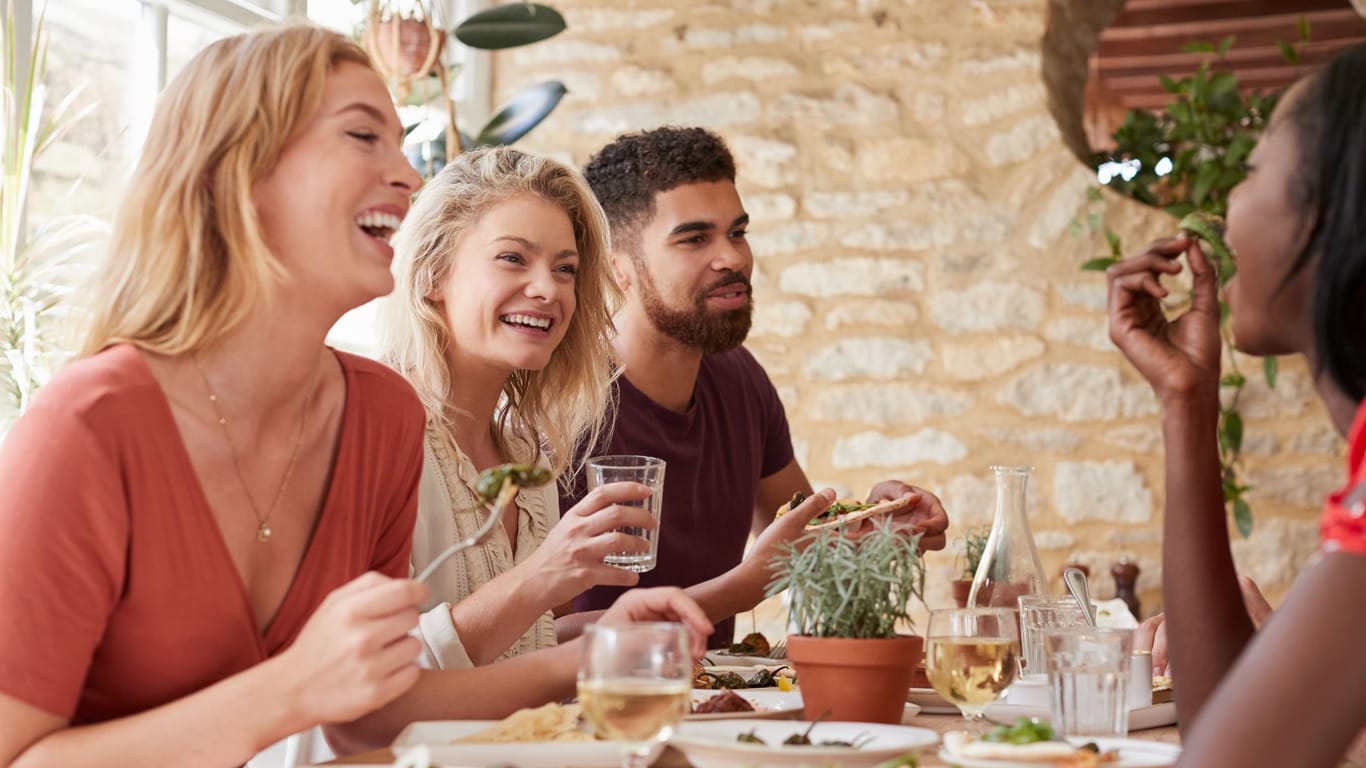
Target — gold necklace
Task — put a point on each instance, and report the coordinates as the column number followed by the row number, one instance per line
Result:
column 262, row 522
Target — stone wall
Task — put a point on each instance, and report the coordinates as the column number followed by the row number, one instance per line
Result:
column 919, row 301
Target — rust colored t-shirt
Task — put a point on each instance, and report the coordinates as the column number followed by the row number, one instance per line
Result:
column 1342, row 528
column 116, row 589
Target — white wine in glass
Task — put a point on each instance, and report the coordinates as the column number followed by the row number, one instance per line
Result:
column 635, row 684
column 970, row 656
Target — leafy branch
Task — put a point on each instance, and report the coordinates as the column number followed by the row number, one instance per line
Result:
column 1186, row 159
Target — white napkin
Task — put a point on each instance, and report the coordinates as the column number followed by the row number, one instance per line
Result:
column 1114, row 613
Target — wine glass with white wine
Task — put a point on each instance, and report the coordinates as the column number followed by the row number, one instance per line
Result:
column 970, row 656
column 635, row 684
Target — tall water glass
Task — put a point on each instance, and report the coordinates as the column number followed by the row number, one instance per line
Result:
column 646, row 470
column 1039, row 613
column 1088, row 680
column 970, row 656
column 635, row 684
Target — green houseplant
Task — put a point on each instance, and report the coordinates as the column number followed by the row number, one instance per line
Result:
column 1185, row 159
column 40, row 260
column 974, row 546
column 848, row 598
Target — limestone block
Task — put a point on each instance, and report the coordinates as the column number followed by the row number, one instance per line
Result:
column 1317, row 438
column 874, row 449
column 639, row 81
column 977, row 360
column 1088, row 293
column 815, row 33
column 877, row 357
column 910, row 160
column 852, row 277
column 901, row 236
column 1113, row 491
column 848, row 104
column 876, row 312
column 1258, row 401
column 562, row 52
column 715, row 111
column 1141, row 438
column 1074, row 392
column 1300, row 486
column 1038, row 440
column 927, row 106
column 1277, row 551
column 764, row 161
column 1134, row 537
column 801, row 449
column 789, row 237
column 1023, row 140
column 1006, row 101
column 971, row 499
column 848, row 205
column 886, row 404
column 858, row 63
column 761, row 69
column 783, row 318
column 987, row 59
column 770, row 208
column 988, row 307
column 741, row 36
column 1054, row 540
column 614, row 20
column 1091, row 332
column 1065, row 204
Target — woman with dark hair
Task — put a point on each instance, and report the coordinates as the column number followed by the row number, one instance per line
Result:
column 1298, row 227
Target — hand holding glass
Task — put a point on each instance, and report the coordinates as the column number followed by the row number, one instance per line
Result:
column 645, row 470
column 970, row 656
column 635, row 684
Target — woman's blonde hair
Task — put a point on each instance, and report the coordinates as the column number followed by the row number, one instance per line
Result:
column 553, row 409
column 187, row 262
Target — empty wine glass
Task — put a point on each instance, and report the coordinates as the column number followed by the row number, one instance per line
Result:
column 635, row 684
column 970, row 656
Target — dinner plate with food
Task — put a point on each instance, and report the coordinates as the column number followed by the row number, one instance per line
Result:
column 1140, row 718
column 797, row 743
column 739, row 676
column 766, row 703
column 930, row 702
column 545, row 737
column 1032, row 744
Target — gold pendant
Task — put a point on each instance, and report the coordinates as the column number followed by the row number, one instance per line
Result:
column 263, row 533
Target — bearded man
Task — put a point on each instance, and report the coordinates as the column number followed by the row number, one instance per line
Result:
column 690, row 393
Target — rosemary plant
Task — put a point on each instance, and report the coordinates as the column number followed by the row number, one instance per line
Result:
column 850, row 587
column 974, row 546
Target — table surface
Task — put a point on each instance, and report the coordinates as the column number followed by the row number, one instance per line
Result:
column 672, row 758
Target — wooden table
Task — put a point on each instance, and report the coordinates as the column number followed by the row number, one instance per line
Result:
column 941, row 724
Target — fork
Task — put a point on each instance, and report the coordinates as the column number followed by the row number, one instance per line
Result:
column 505, row 496
column 779, row 650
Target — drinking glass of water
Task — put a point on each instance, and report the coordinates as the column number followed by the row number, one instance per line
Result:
column 970, row 656
column 1088, row 680
column 646, row 470
column 635, row 684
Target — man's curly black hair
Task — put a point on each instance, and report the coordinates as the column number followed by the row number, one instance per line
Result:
column 626, row 174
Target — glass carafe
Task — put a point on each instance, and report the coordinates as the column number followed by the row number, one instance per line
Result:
column 1010, row 565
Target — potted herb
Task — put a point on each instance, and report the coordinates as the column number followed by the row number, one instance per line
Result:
column 849, row 596
column 974, row 545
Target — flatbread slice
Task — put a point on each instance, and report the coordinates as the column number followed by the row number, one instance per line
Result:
column 849, row 511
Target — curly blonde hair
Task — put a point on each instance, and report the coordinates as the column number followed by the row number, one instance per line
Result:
column 187, row 263
column 564, row 404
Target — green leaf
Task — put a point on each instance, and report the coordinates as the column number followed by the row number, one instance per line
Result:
column 1093, row 221
column 1233, row 380
column 1116, row 248
column 1093, row 194
column 510, row 25
column 1226, row 44
column 1304, row 29
column 1270, row 367
column 1075, row 228
column 1222, row 84
column 1169, row 85
column 1231, row 431
column 523, row 113
column 1198, row 46
column 1242, row 517
column 1288, row 52
column 1204, row 179
column 1099, row 264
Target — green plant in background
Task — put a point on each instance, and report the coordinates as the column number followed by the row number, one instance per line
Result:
column 397, row 36
column 1184, row 160
column 849, row 587
column 38, row 265
column 974, row 546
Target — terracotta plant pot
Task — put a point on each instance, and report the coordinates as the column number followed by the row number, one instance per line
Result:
column 404, row 48
column 844, row 679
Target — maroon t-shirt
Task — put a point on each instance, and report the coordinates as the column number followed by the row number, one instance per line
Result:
column 734, row 433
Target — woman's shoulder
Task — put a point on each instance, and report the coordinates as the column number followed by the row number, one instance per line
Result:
column 116, row 377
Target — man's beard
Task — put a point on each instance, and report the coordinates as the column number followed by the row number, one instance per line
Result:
column 697, row 327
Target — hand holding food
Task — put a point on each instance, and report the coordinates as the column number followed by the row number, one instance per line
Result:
column 848, row 512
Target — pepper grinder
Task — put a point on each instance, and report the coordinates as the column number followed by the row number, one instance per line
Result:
column 1126, row 577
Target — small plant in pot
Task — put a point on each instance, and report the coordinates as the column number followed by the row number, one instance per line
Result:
column 974, row 546
column 849, row 595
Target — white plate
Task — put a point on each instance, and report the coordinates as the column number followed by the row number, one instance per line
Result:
column 1140, row 718
column 721, row 658
column 770, row 704
column 1132, row 754
column 713, row 745
column 930, row 702
column 437, row 735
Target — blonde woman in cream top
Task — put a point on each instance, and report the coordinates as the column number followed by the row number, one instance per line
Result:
column 501, row 319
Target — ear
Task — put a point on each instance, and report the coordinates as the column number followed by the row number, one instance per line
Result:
column 623, row 269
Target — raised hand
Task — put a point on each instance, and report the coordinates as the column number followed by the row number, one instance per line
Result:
column 663, row 604
column 570, row 560
column 1179, row 356
column 355, row 653
column 925, row 515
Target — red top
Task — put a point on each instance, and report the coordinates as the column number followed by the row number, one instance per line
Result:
column 117, row 591
column 1343, row 526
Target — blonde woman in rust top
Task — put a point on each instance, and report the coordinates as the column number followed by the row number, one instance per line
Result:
column 189, row 507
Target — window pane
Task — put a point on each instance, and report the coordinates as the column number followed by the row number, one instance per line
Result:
column 185, row 39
